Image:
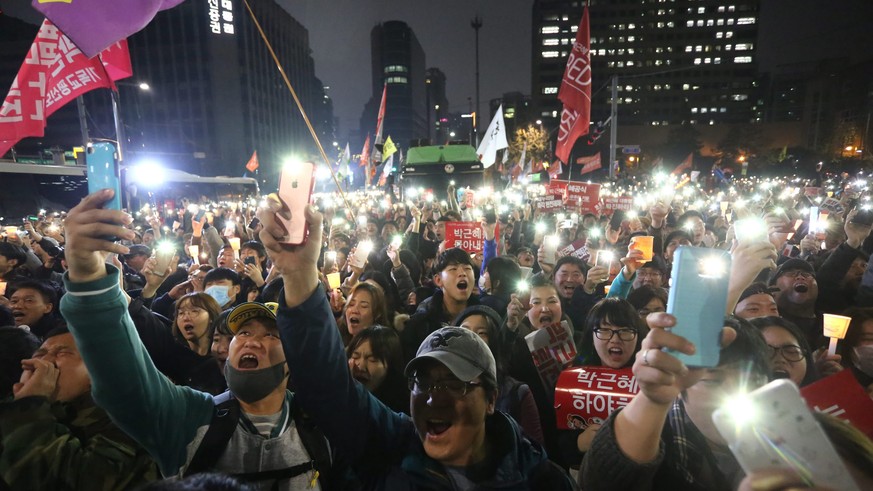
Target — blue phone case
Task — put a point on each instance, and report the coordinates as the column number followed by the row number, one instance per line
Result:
column 103, row 172
column 698, row 299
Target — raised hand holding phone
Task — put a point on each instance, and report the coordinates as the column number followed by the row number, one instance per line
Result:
column 295, row 192
column 88, row 227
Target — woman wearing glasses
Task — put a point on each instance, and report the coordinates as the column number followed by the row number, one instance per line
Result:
column 613, row 334
column 790, row 356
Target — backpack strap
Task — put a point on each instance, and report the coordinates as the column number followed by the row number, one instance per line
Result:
column 313, row 440
column 224, row 421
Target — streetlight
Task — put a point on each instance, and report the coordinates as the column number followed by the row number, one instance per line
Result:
column 144, row 86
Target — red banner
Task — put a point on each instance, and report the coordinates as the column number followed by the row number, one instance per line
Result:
column 843, row 397
column 612, row 203
column 587, row 395
column 253, row 164
column 557, row 187
column 467, row 235
column 575, row 92
column 812, row 192
column 578, row 249
column 552, row 349
column 587, row 196
column 550, row 202
column 53, row 73
column 589, row 164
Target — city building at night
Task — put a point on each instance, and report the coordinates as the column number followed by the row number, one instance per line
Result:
column 398, row 60
column 214, row 94
column 676, row 61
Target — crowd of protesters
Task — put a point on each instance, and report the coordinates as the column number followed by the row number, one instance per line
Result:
column 173, row 348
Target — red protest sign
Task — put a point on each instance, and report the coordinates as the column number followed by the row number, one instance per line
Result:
column 587, row 196
column 612, row 203
column 843, row 397
column 467, row 235
column 587, row 395
column 812, row 191
column 550, row 203
column 577, row 249
column 552, row 348
column 557, row 187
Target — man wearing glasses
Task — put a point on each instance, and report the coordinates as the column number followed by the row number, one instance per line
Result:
column 454, row 438
column 798, row 292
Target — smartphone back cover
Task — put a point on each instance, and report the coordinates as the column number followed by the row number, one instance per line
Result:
column 698, row 298
column 103, row 172
column 295, row 189
column 783, row 434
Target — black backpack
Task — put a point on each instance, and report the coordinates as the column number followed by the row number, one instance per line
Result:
column 224, row 422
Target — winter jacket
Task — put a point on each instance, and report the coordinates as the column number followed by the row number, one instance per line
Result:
column 178, row 362
column 168, row 420
column 67, row 445
column 383, row 446
column 429, row 317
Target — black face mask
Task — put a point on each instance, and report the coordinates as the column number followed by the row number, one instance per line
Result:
column 253, row 385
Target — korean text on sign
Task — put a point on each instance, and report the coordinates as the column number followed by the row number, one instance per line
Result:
column 587, row 395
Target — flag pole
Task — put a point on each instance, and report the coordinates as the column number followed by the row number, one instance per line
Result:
column 299, row 106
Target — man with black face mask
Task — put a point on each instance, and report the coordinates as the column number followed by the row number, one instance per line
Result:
column 254, row 431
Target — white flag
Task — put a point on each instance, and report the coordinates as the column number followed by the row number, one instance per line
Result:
column 494, row 140
column 520, row 163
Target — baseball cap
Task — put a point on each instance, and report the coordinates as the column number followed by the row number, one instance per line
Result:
column 245, row 312
column 792, row 265
column 462, row 351
column 138, row 250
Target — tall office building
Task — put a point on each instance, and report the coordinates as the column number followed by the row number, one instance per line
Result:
column 397, row 60
column 676, row 60
column 437, row 106
column 215, row 95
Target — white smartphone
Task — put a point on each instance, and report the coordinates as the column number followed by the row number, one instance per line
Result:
column 295, row 192
column 773, row 427
column 359, row 259
column 550, row 248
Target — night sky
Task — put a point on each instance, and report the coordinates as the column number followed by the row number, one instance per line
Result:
column 339, row 30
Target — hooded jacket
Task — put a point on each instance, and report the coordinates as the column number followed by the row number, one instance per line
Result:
column 383, row 446
column 428, row 318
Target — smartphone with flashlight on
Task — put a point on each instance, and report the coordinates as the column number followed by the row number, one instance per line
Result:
column 772, row 427
column 103, row 172
column 697, row 299
column 295, row 192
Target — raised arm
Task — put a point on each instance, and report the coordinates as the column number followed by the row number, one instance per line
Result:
column 315, row 355
column 146, row 405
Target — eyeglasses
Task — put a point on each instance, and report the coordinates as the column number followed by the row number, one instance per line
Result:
column 623, row 334
column 790, row 352
column 648, row 274
column 798, row 273
column 453, row 387
column 191, row 313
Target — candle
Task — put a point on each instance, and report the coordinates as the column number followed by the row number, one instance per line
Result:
column 2, row 288
column 194, row 252
column 835, row 327
column 333, row 280
column 234, row 243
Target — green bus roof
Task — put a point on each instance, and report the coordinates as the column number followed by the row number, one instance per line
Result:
column 442, row 154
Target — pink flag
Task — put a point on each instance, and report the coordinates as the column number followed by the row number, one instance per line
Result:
column 54, row 72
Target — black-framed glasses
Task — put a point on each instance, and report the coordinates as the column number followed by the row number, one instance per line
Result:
column 623, row 334
column 790, row 352
column 453, row 387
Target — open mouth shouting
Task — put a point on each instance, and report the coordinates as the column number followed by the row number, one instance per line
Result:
column 801, row 287
column 188, row 330
column 463, row 285
column 546, row 319
column 616, row 354
column 248, row 361
column 354, row 322
column 567, row 289
column 436, row 428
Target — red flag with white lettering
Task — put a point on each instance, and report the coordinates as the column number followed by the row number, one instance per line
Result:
column 589, row 164
column 116, row 60
column 575, row 92
column 556, row 169
column 54, row 72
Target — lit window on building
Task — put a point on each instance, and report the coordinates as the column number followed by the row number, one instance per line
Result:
column 729, row 34
column 574, row 28
column 671, row 24
column 745, row 21
column 693, row 110
column 688, row 49
column 707, row 61
column 743, row 46
column 710, row 23
column 550, row 90
column 660, row 25
column 631, row 39
column 630, row 63
column 742, row 59
column 698, row 48
column 601, row 52
column 740, row 97
column 550, row 54
column 700, row 23
column 730, row 22
column 722, row 109
column 550, row 30
column 731, row 8
column 550, row 42
column 721, row 8
column 689, row 23
column 719, row 35
column 631, row 26
column 720, row 22
column 697, row 61
column 716, row 61
column 686, row 87
column 701, row 10
column 397, row 80
column 703, row 110
column 395, row 69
